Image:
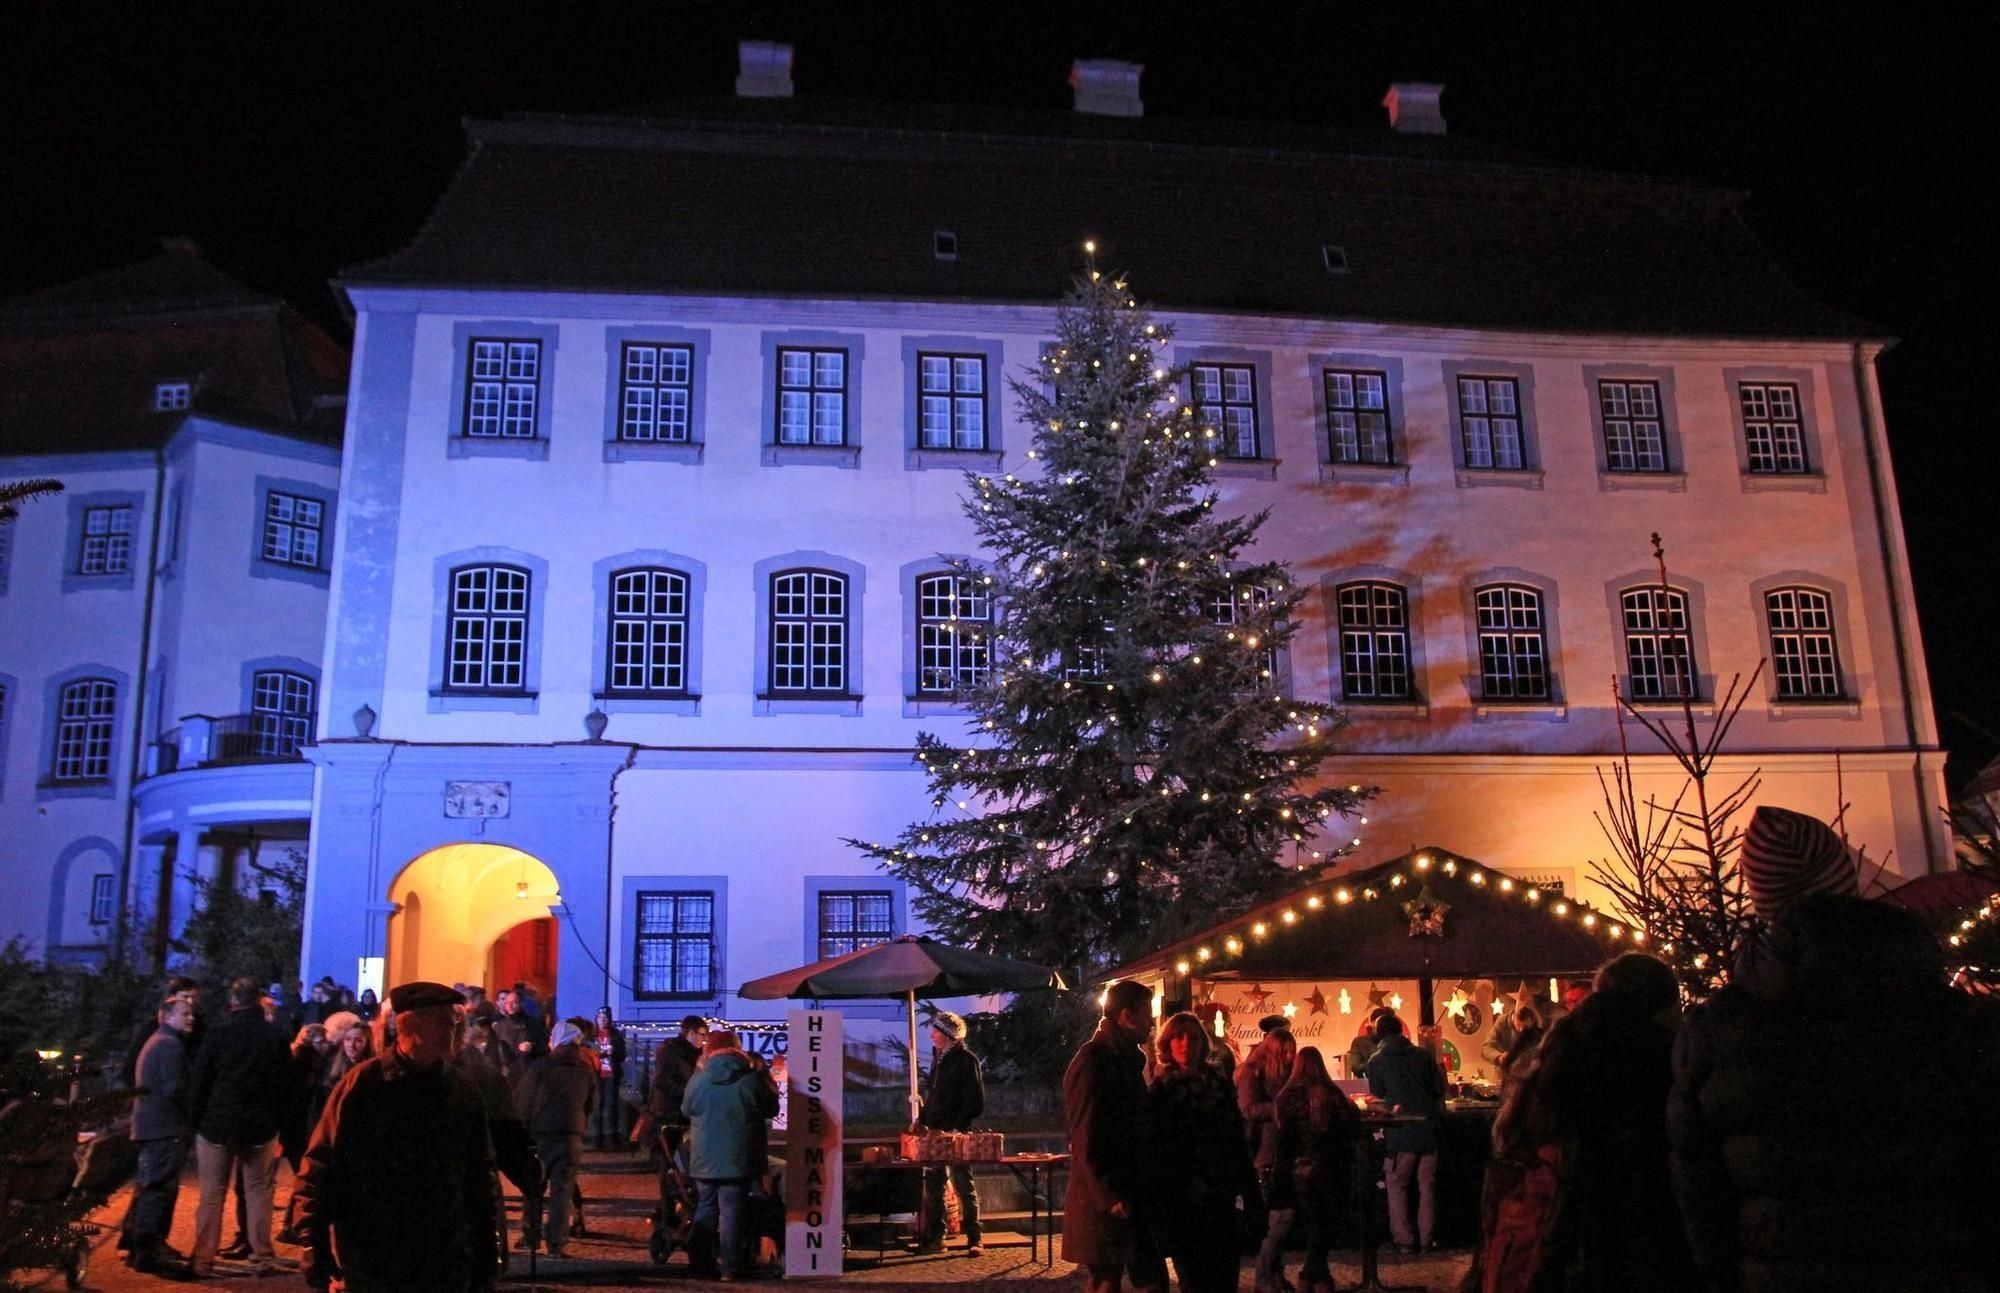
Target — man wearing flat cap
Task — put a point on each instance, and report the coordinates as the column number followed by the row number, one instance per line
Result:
column 956, row 1098
column 398, row 1190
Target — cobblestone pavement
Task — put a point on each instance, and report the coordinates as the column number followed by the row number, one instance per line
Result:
column 619, row 1194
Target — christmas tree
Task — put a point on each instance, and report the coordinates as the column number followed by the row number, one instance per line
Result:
column 1133, row 768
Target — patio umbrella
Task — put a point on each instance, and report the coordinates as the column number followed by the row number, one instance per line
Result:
column 903, row 967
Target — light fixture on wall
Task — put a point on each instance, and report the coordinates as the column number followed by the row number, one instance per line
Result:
column 521, row 884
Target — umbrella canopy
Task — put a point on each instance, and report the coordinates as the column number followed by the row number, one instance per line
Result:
column 903, row 967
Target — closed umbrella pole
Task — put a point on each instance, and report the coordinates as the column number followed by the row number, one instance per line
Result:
column 916, row 1101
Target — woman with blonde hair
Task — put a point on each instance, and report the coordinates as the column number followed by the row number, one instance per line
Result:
column 1202, row 1158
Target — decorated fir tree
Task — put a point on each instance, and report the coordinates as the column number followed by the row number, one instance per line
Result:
column 1133, row 767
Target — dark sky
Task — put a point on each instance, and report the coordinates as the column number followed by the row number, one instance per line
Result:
column 291, row 140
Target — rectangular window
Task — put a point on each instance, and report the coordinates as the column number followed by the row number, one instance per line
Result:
column 1634, row 439
column 1489, row 421
column 1374, row 642
column 503, row 388
column 809, row 633
column 169, row 397
column 1803, row 654
column 292, row 529
column 951, row 391
column 1357, row 415
column 1513, row 647
column 849, row 922
column 812, row 396
column 1774, row 434
column 103, row 899
column 1659, row 651
column 281, row 713
column 656, row 393
column 1246, row 612
column 1225, row 397
column 673, row 945
column 954, row 619
column 487, row 631
column 84, row 714
column 107, row 541
column 649, row 633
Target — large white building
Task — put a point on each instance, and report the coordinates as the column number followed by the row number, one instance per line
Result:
column 161, row 621
column 655, row 439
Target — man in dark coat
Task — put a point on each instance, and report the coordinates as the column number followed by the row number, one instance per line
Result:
column 1411, row 1082
column 956, row 1098
column 398, row 1191
column 1105, row 1228
column 242, row 1081
column 1832, row 1118
column 555, row 1097
column 520, row 1031
column 163, row 1131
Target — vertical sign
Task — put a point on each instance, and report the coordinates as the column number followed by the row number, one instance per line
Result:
column 814, row 1209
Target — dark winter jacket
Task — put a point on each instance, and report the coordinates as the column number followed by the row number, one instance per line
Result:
column 1257, row 1103
column 558, row 1091
column 1111, row 1160
column 1199, row 1151
column 301, row 1099
column 727, row 1102
column 1314, row 1156
column 1832, row 1118
column 513, row 1148
column 160, row 1110
column 1409, row 1079
column 511, row 1030
column 673, row 1065
column 957, row 1094
column 242, row 1080
column 398, row 1192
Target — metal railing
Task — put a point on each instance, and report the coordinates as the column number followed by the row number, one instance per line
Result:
column 206, row 741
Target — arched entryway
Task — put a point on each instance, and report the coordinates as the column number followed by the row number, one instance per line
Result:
column 474, row 913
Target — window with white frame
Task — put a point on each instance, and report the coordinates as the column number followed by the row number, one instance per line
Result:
column 503, row 388
column 170, row 397
column 951, row 393
column 812, row 396
column 1659, row 649
column 1374, row 641
column 1634, row 435
column 293, row 528
column 1513, row 643
column 656, row 393
column 1774, row 433
column 954, row 627
column 487, row 629
column 281, row 713
column 85, row 711
column 649, row 633
column 1246, row 611
column 850, row 920
column 1225, row 397
column 1357, row 415
column 1489, row 422
column 1804, row 655
column 107, row 541
column 808, row 633
column 673, row 945
column 103, row 899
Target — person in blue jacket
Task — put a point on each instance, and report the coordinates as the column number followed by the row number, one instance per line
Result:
column 1408, row 1079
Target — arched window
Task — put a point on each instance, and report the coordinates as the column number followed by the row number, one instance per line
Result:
column 1513, row 643
column 1659, row 650
column 486, row 634
column 1804, row 655
column 809, row 638
column 954, row 631
column 649, row 633
column 1374, row 641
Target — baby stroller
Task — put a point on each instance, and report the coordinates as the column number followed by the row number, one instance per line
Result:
column 673, row 1215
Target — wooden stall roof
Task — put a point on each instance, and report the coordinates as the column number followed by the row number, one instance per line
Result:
column 1359, row 926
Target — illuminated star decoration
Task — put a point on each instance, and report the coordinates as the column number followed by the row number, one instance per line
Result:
column 1257, row 996
column 1500, row 1006
column 1346, row 1003
column 1396, row 1001
column 1426, row 915
column 1291, row 1009
column 1456, row 1003
column 1317, row 1001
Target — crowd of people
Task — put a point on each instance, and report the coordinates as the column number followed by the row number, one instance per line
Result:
column 1824, row 1121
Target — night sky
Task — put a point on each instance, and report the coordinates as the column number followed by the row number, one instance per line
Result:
column 293, row 140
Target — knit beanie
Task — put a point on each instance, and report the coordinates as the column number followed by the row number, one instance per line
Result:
column 1787, row 855
column 563, row 1034
column 951, row 1025
column 338, row 1023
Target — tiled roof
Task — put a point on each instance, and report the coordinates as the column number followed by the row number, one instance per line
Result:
column 766, row 199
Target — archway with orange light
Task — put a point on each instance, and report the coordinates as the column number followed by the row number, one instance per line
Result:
column 474, row 914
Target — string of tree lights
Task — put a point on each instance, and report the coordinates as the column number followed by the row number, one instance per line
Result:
column 1133, row 767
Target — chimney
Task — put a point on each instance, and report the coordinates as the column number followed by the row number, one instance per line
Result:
column 764, row 70
column 1414, row 109
column 1106, row 87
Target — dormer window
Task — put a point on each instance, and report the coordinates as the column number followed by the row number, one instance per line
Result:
column 944, row 244
column 169, row 397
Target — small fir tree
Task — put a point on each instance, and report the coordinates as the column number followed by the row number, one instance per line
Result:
column 1133, row 769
